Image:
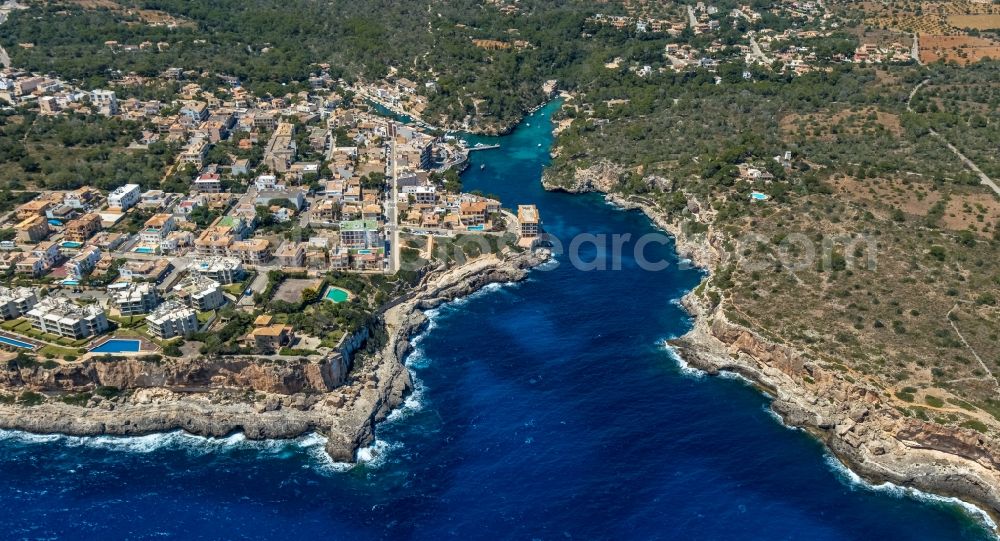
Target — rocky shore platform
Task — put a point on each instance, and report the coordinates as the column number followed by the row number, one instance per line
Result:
column 849, row 415
column 216, row 397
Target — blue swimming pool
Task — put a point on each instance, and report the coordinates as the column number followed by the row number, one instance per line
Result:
column 15, row 343
column 143, row 250
column 336, row 295
column 477, row 227
column 116, row 345
column 757, row 196
column 55, row 223
column 71, row 244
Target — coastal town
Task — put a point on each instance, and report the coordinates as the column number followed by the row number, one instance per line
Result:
column 315, row 187
column 254, row 229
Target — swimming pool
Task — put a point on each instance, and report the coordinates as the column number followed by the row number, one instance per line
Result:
column 336, row 294
column 15, row 343
column 117, row 345
column 56, row 223
column 71, row 244
column 143, row 250
column 477, row 227
column 757, row 196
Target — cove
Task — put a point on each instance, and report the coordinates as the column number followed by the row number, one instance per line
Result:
column 544, row 409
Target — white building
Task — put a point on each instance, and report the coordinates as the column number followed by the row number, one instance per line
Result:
column 16, row 301
column 124, row 197
column 136, row 298
column 105, row 102
column 267, row 183
column 201, row 293
column 157, row 228
column 422, row 195
column 224, row 270
column 82, row 263
column 171, row 319
column 59, row 315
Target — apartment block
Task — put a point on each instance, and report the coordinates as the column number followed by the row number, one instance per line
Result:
column 61, row 316
column 171, row 319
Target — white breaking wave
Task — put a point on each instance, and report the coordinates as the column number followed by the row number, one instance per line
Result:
column 726, row 374
column 190, row 443
column 683, row 365
column 774, row 415
column 855, row 481
column 413, row 402
column 548, row 265
column 481, row 292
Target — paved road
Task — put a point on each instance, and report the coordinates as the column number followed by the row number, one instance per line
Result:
column 692, row 20
column 758, row 53
column 985, row 180
column 393, row 214
column 4, row 59
column 257, row 285
column 5, row 10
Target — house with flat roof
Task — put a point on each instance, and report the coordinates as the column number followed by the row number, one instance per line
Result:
column 135, row 298
column 225, row 270
column 359, row 233
column 170, row 319
column 81, row 198
column 83, row 262
column 124, row 197
column 201, row 293
column 16, row 301
column 527, row 216
column 63, row 317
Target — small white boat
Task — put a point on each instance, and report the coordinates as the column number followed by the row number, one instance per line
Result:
column 482, row 166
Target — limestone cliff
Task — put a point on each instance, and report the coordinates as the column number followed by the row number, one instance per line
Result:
column 850, row 415
column 259, row 397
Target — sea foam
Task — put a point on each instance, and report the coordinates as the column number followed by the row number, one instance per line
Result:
column 175, row 440
column 682, row 365
column 854, row 481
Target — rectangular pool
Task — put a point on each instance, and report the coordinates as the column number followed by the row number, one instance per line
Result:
column 15, row 343
column 143, row 250
column 116, row 345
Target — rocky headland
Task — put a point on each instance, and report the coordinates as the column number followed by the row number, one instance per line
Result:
column 219, row 396
column 849, row 414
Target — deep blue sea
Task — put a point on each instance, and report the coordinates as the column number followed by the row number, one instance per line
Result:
column 545, row 409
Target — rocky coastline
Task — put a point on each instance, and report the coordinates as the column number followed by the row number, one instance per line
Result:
column 849, row 415
column 221, row 396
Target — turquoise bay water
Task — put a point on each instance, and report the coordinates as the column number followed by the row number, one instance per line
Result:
column 544, row 409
